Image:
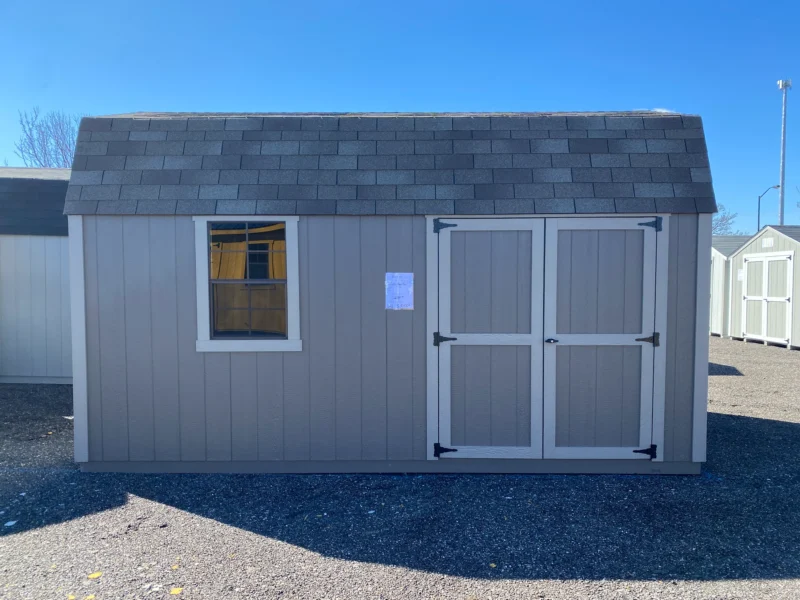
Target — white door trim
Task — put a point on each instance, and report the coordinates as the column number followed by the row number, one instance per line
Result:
column 532, row 339
column 432, row 325
column 646, row 420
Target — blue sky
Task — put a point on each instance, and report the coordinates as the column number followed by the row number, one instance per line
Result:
column 718, row 59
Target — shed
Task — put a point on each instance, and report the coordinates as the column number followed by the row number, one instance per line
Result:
column 722, row 246
column 764, row 282
column 35, row 345
column 391, row 292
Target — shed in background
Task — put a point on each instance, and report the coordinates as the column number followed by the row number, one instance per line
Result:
column 722, row 247
column 35, row 344
column 764, row 282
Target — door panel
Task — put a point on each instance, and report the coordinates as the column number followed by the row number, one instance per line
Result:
column 491, row 396
column 776, row 320
column 752, row 313
column 755, row 282
column 599, row 298
column 490, row 301
column 777, row 270
column 766, row 305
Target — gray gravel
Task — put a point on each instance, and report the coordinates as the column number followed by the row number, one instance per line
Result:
column 733, row 532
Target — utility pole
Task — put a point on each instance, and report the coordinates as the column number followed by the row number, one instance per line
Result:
column 784, row 85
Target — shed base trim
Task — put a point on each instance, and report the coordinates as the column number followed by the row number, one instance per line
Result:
column 490, row 466
column 36, row 380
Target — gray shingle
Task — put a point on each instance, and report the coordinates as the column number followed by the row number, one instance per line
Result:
column 376, row 192
column 534, row 190
column 205, row 124
column 471, row 123
column 394, row 147
column 196, row 207
column 183, row 162
column 569, row 160
column 433, row 123
column 205, row 176
column 317, row 207
column 586, row 122
column 511, row 206
column 653, row 190
column 377, row 162
column 594, row 205
column 611, row 190
column 100, row 192
column 532, row 161
column 236, row 207
column 395, row 177
column 610, row 160
column 472, row 146
column 358, row 124
column 700, row 175
column 649, row 160
column 234, row 161
column 680, row 134
column 434, row 207
column 566, row 133
column 494, row 190
column 338, row 136
column 319, row 123
column 547, row 122
column 588, row 145
column 356, row 177
column 550, row 146
column 250, row 147
column 666, row 146
column 555, row 206
column 338, row 162
column 300, row 162
column 282, row 123
column 705, row 205
column 454, row 161
column 302, row 136
column 258, row 192
column 336, row 192
column 356, row 207
column 183, row 136
column 537, row 134
column 236, row 176
column 161, row 177
column 493, row 161
column 179, row 192
column 202, row 148
column 574, row 190
column 693, row 190
column 80, row 207
column 416, row 192
column 216, row 192
column 116, row 207
column 666, row 122
column 669, row 175
column 92, row 124
column 124, row 124
column 441, row 176
column 139, row 192
column 394, row 207
column 492, row 135
column 319, row 147
column 104, row 136
column 434, row 147
column 363, row 147
column 624, row 123
column 276, row 207
column 645, row 134
column 147, row 136
column 316, row 177
column 626, row 146
column 606, row 133
column 452, row 135
column 692, row 121
column 591, row 174
column 168, row 124
column 282, row 176
column 73, row 193
column 274, row 148
column 454, row 192
column 630, row 175
column 633, row 205
column 297, row 192
column 226, row 136
column 473, row 176
column 509, row 122
column 156, row 207
column 100, row 163
column 696, row 145
column 513, row 176
column 676, row 205
column 91, row 148
column 243, row 123
column 86, row 178
column 409, row 161
column 511, row 146
column 396, row 124
column 686, row 160
column 474, row 207
column 552, row 175
column 123, row 177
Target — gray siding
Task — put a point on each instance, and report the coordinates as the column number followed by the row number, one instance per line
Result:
column 780, row 243
column 355, row 392
column 718, row 314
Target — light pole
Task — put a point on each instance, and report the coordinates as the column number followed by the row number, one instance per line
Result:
column 784, row 85
column 772, row 187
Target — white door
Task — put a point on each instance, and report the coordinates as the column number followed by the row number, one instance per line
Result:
column 767, row 302
column 490, row 338
column 599, row 329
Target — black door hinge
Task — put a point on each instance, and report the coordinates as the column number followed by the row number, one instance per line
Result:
column 654, row 224
column 438, row 339
column 653, row 339
column 438, row 450
column 438, row 225
column 651, row 451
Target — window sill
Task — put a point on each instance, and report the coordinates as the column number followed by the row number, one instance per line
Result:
column 249, row 345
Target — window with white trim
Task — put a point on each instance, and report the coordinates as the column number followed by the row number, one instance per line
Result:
column 247, row 284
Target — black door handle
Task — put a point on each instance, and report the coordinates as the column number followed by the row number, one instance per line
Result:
column 550, row 341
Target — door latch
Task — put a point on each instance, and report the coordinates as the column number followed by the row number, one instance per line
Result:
column 551, row 341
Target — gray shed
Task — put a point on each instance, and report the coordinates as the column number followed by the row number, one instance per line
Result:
column 35, row 344
column 391, row 292
column 764, row 281
column 722, row 247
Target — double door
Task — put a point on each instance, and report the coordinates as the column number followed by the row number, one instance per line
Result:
column 546, row 337
column 767, row 298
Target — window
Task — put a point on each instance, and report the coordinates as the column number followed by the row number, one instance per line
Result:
column 247, row 284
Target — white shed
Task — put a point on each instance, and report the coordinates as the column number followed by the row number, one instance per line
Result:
column 722, row 247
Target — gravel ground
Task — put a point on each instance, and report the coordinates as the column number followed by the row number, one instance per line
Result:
column 733, row 532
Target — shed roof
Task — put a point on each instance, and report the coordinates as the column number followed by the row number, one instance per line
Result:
column 728, row 244
column 792, row 231
column 32, row 201
column 390, row 163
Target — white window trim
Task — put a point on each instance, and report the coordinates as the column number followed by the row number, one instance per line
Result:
column 204, row 341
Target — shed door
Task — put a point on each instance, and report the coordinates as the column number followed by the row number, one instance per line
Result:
column 766, row 303
column 490, row 306
column 598, row 325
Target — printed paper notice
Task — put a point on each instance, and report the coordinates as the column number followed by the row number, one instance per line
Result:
column 399, row 291
column 740, row 274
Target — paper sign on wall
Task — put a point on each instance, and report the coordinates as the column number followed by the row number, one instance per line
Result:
column 740, row 275
column 399, row 291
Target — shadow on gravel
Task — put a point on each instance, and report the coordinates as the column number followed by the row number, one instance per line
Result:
column 738, row 520
column 717, row 369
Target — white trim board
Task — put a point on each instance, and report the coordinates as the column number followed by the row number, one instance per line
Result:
column 204, row 342
column 703, row 289
column 432, row 325
column 77, row 293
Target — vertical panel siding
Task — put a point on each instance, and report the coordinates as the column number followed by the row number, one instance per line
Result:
column 94, row 362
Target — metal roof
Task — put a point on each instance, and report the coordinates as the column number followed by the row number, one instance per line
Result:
column 728, row 244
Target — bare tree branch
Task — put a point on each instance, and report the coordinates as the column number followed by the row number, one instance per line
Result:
column 47, row 140
column 722, row 223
